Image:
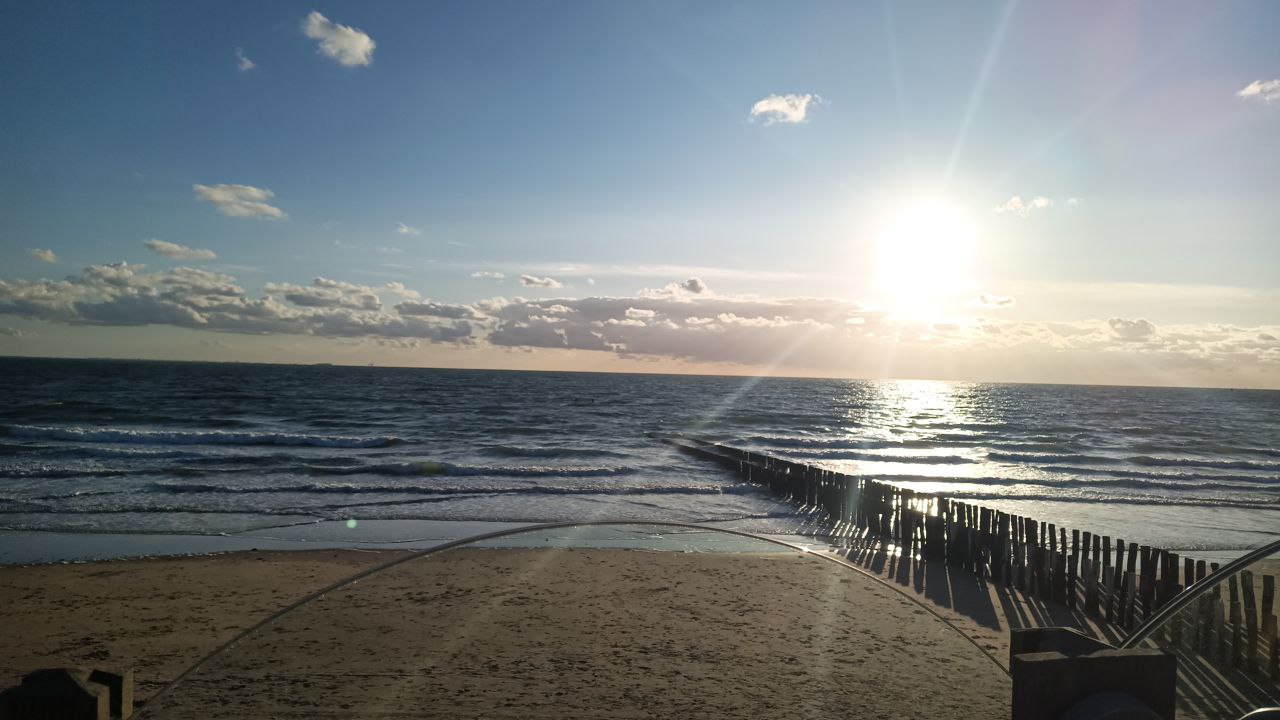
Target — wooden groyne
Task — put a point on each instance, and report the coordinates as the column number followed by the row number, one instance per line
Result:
column 1108, row 579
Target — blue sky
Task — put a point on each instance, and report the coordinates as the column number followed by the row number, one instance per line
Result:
column 611, row 148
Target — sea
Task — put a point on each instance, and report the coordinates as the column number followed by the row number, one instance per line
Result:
column 169, row 453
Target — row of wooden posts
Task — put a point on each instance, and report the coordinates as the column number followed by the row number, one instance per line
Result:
column 1111, row 580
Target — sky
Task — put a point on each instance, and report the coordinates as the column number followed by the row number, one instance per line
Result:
column 993, row 191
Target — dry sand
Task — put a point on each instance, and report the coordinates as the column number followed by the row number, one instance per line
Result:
column 508, row 633
column 158, row 615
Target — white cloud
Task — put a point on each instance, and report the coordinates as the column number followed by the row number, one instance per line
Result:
column 1131, row 330
column 1266, row 91
column 343, row 43
column 243, row 62
column 239, row 200
column 986, row 300
column 1022, row 207
column 1073, row 202
column 789, row 109
column 403, row 229
column 178, row 252
column 692, row 286
column 441, row 310
column 488, row 274
column 542, row 282
column 398, row 288
column 12, row 332
column 43, row 255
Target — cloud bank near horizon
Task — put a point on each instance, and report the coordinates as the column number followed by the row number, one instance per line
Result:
column 685, row 321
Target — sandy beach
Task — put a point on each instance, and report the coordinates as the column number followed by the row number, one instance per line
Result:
column 506, row 633
column 155, row 615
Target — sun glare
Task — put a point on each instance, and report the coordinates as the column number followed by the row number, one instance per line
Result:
column 925, row 256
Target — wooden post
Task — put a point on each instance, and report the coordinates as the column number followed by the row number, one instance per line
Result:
column 1126, row 554
column 1149, row 586
column 1250, row 620
column 1269, row 625
column 1024, row 554
column 1006, row 567
column 1129, row 600
column 1073, row 565
column 1219, row 651
column 1237, row 633
column 1108, row 579
column 1033, row 558
column 1169, row 583
column 1095, row 575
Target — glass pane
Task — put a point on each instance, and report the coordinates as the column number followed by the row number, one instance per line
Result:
column 1225, row 640
column 599, row 621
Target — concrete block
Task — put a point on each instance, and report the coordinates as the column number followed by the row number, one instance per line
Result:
column 1048, row 684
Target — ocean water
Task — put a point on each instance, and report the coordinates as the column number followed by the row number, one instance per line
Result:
column 95, row 446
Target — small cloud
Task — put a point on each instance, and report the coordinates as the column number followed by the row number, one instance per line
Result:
column 1073, row 202
column 1266, row 337
column 343, row 43
column 790, row 109
column 399, row 289
column 678, row 290
column 388, row 250
column 488, row 274
column 43, row 255
column 403, row 229
column 591, row 281
column 1021, row 207
column 694, row 285
column 243, row 62
column 13, row 332
column 178, row 252
column 542, row 282
column 1267, row 91
column 1131, row 330
column 993, row 301
column 239, row 200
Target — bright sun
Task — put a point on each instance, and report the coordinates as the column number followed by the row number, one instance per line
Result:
column 926, row 252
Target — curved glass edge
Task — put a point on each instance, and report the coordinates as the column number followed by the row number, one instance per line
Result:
column 604, row 533
column 1198, row 591
column 1223, row 633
